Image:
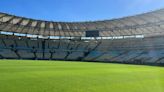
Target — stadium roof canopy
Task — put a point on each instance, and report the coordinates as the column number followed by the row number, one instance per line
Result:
column 147, row 24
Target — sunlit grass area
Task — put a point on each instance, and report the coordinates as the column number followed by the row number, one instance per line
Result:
column 64, row 76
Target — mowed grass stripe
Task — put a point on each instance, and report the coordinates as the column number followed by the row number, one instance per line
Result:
column 60, row 76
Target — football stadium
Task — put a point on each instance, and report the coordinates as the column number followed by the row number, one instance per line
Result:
column 116, row 55
column 135, row 39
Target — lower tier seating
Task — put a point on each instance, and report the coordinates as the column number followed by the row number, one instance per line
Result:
column 8, row 53
column 142, row 51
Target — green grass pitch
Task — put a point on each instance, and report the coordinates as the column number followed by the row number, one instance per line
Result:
column 60, row 76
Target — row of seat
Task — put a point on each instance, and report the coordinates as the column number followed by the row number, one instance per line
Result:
column 132, row 56
column 28, row 54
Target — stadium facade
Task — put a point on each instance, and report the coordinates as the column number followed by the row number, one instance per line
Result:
column 135, row 39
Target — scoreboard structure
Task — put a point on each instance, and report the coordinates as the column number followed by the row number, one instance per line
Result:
column 92, row 33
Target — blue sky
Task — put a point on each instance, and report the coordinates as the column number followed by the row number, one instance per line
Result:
column 78, row 10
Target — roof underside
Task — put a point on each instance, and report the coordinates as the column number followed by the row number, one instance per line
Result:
column 148, row 24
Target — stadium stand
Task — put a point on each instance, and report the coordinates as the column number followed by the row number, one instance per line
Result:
column 136, row 39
